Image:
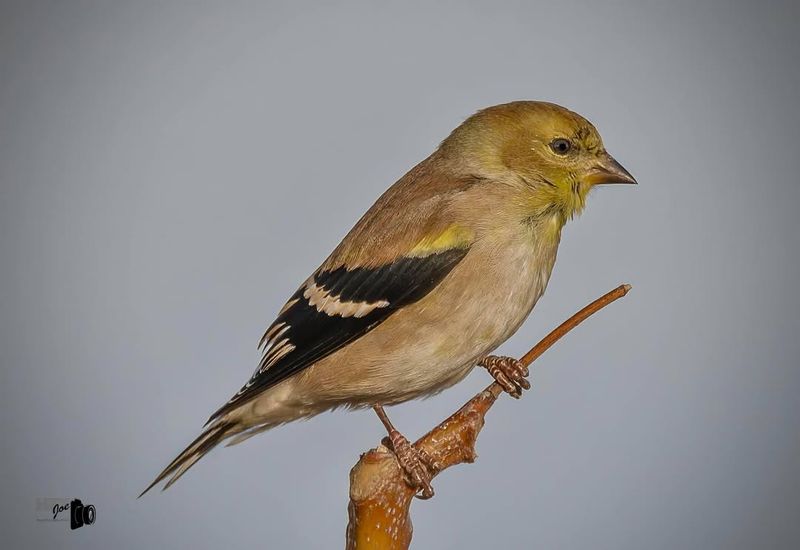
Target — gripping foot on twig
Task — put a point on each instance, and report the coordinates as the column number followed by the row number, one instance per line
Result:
column 417, row 465
column 510, row 373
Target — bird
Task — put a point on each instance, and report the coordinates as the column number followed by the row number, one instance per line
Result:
column 444, row 267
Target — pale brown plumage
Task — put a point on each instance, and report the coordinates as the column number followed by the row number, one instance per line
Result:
column 442, row 269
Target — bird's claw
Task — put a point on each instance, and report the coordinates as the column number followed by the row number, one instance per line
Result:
column 510, row 373
column 417, row 465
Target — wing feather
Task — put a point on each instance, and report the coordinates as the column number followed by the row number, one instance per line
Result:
column 304, row 333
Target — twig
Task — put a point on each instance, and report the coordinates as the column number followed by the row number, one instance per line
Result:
column 380, row 498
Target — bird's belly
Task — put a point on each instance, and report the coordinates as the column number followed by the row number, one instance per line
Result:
column 476, row 308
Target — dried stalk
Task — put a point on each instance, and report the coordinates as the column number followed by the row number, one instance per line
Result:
column 380, row 498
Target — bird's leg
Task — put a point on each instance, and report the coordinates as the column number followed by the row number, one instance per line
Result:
column 417, row 465
column 510, row 373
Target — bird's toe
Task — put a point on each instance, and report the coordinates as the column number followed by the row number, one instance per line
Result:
column 510, row 373
column 417, row 465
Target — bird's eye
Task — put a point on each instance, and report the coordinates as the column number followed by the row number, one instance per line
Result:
column 561, row 146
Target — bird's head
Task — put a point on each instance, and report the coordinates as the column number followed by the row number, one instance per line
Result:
column 557, row 154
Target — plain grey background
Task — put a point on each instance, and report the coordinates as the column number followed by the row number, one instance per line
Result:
column 172, row 171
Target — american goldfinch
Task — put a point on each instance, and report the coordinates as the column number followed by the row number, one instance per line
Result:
column 440, row 271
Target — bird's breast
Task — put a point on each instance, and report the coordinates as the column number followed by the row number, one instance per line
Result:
column 503, row 281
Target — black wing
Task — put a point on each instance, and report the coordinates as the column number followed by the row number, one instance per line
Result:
column 334, row 308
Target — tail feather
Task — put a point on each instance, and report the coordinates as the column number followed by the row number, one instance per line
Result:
column 248, row 433
column 206, row 441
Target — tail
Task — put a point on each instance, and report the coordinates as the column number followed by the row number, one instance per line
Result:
column 207, row 440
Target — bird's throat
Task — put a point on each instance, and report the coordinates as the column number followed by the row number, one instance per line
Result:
column 554, row 205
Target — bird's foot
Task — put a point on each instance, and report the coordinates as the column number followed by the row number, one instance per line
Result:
column 417, row 465
column 510, row 373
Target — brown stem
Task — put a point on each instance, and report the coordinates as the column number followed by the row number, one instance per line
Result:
column 380, row 499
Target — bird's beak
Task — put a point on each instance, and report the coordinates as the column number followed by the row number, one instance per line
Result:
column 608, row 170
